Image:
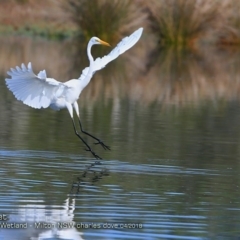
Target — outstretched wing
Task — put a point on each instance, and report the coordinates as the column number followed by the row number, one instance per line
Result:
column 36, row 91
column 125, row 44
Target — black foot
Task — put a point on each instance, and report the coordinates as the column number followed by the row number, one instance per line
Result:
column 93, row 153
column 103, row 145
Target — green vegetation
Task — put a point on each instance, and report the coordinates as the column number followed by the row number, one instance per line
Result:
column 36, row 30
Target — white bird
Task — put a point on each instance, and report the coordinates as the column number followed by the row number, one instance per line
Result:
column 39, row 91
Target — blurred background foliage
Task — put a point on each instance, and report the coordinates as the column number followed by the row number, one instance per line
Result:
column 172, row 52
column 180, row 23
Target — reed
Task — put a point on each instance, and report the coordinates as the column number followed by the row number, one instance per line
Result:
column 181, row 22
column 105, row 19
column 230, row 31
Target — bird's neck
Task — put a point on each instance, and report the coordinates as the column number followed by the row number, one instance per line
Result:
column 90, row 57
column 89, row 73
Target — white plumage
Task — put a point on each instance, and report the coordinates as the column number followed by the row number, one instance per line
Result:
column 35, row 91
column 39, row 91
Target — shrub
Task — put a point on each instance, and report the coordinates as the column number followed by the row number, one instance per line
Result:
column 106, row 19
column 181, row 22
column 230, row 33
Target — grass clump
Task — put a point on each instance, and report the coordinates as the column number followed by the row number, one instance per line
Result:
column 230, row 31
column 104, row 18
column 181, row 22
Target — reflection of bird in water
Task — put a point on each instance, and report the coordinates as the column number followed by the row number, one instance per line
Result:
column 86, row 177
column 65, row 218
column 38, row 91
column 44, row 222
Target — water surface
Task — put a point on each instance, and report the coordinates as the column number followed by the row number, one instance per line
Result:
column 173, row 169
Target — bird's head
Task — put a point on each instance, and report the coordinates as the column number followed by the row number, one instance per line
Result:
column 96, row 40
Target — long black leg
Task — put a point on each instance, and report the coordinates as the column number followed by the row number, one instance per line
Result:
column 88, row 147
column 99, row 141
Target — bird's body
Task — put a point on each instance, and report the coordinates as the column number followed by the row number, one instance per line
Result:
column 39, row 91
column 69, row 93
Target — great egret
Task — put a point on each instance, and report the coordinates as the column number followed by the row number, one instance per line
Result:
column 39, row 91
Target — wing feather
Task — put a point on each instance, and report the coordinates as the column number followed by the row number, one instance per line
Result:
column 125, row 44
column 36, row 91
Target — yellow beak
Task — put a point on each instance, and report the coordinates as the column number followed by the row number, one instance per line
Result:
column 104, row 43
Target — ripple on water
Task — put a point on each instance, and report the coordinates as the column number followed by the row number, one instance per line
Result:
column 36, row 187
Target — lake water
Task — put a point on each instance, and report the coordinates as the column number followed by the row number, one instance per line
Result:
column 172, row 122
